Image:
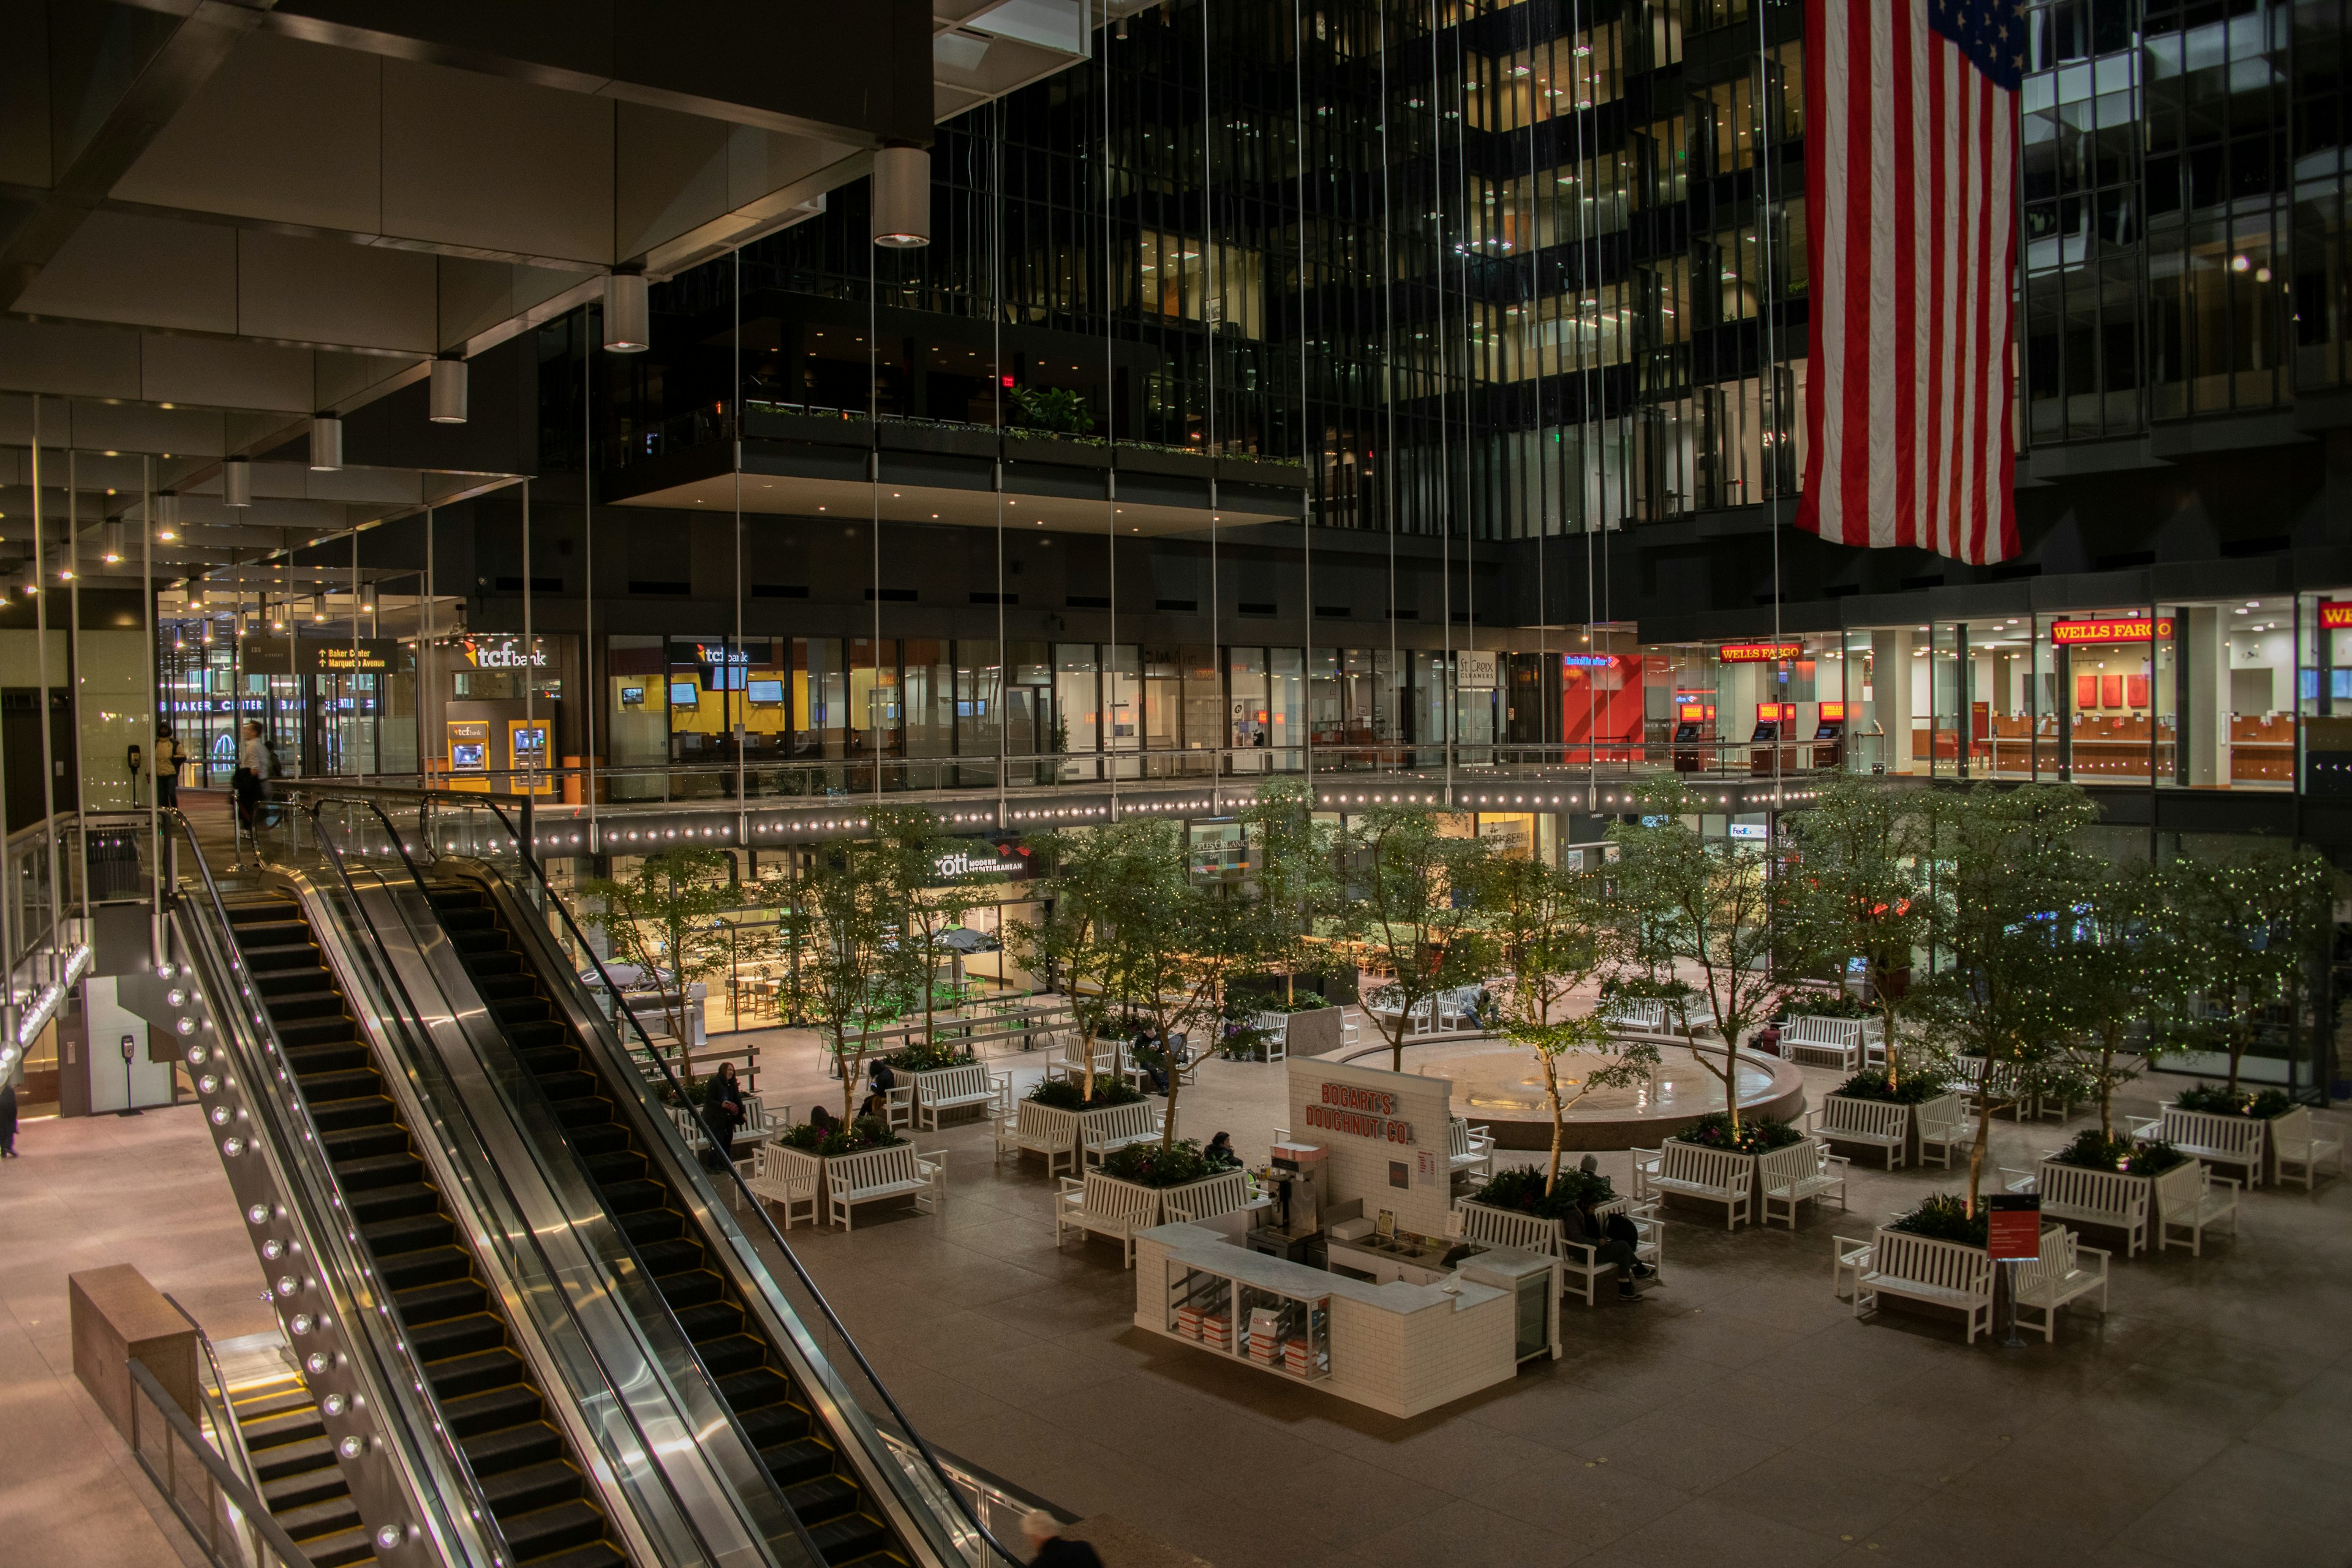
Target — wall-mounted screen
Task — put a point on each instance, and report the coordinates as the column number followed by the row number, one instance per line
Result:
column 633, row 697
column 767, row 691
column 684, row 694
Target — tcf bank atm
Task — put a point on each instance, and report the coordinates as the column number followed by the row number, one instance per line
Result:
column 521, row 770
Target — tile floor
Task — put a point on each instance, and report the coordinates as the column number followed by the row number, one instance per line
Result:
column 1739, row 1412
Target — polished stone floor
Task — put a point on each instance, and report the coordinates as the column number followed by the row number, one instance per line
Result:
column 1739, row 1413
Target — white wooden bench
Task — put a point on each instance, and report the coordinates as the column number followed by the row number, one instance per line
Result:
column 1849, row 1260
column 1711, row 1176
column 1107, row 1130
column 1470, row 1149
column 2190, row 1198
column 1097, row 1205
column 2002, row 1089
column 2061, row 1274
column 1789, row 1176
column 1654, row 1015
column 895, row 1171
column 1072, row 1063
column 2295, row 1142
column 957, row 1089
column 696, row 1132
column 1221, row 1193
column 1880, row 1123
column 898, row 1108
column 1274, row 1029
column 2216, row 1140
column 1040, row 1130
column 1823, row 1042
column 1646, row 1170
column 791, row 1184
column 1945, row 1273
column 1945, row 1124
column 2095, row 1197
column 1581, row 1267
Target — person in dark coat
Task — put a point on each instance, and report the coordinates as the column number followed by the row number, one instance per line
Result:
column 722, row 1112
column 7, row 1120
column 1054, row 1550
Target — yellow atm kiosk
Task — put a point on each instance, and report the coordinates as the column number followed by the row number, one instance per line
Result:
column 469, row 758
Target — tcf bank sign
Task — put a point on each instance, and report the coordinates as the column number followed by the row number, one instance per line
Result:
column 1360, row 1113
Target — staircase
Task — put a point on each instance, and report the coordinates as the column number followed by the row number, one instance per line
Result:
column 448, row 1311
column 818, row 1484
column 301, row 1483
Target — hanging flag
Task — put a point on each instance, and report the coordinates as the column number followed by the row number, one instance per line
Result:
column 1911, row 218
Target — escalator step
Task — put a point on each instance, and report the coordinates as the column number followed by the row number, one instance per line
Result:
column 430, row 1303
column 389, row 1238
column 341, row 1550
column 548, row 1530
column 321, row 1032
column 277, row 934
column 821, row 1498
column 319, row 1483
column 291, row 1452
column 587, row 1112
column 614, row 1169
column 670, row 1257
column 601, row 1138
column 304, row 1004
column 629, row 1198
column 531, row 1487
column 459, row 1375
column 651, row 1225
column 544, row 1059
column 850, row 1537
column 328, row 1517
column 264, row 960
column 462, row 1335
column 728, row 1355
column 357, row 1143
column 377, row 1171
column 802, row 1459
column 411, row 1270
column 763, row 1390
column 394, row 1200
column 505, row 987
column 714, row 1321
column 507, row 1447
column 696, row 1289
column 566, row 1086
column 331, row 1072
column 530, row 1034
column 344, row 1115
column 515, row 1405
column 595, row 1554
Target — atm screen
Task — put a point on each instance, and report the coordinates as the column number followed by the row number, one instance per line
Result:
column 466, row 757
column 531, row 740
column 1830, row 732
column 684, row 694
column 1767, row 730
column 767, row 691
column 1686, row 733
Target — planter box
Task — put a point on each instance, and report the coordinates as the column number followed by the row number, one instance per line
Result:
column 1946, row 1104
column 1199, row 1200
column 1079, row 1136
column 801, row 1166
column 2118, row 1200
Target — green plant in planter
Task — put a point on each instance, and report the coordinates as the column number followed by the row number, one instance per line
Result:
column 866, row 1133
column 2096, row 1151
column 1060, row 409
column 1944, row 1217
column 922, row 1057
column 1159, row 1165
column 1522, row 1189
column 1917, row 1089
column 1756, row 1135
column 2215, row 1100
column 1809, row 1002
column 1063, row 1095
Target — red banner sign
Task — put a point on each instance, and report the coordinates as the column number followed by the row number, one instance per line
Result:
column 1776, row 713
column 1832, row 712
column 2126, row 628
column 1760, row 652
column 2336, row 615
column 2013, row 1228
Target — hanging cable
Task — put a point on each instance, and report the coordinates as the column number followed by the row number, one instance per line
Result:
column 591, row 691
column 1212, row 317
column 996, row 391
column 1388, row 392
column 1308, row 446
column 739, row 679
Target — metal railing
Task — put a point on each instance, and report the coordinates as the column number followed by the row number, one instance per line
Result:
column 221, row 1510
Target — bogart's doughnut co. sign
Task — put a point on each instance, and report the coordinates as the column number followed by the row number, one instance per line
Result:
column 1360, row 1113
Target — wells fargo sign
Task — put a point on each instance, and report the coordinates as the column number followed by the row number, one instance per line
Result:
column 1360, row 1113
column 1760, row 652
column 2123, row 628
column 2335, row 614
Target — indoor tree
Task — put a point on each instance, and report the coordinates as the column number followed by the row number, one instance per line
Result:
column 653, row 919
column 2117, row 959
column 2013, row 873
column 2244, row 934
column 1414, row 907
column 936, row 902
column 1682, row 902
column 1857, row 888
column 1071, row 946
column 1549, row 929
column 1293, row 862
column 843, row 916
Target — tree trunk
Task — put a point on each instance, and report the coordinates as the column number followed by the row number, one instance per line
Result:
column 1558, row 1119
column 2238, row 1040
column 2110, row 1036
column 1087, row 1047
column 1984, row 1133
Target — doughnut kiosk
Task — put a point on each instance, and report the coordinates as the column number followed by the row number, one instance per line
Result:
column 1345, row 1281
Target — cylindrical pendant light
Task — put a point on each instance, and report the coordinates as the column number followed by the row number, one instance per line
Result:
column 326, row 443
column 902, row 197
column 113, row 553
column 167, row 516
column 628, row 314
column 237, row 482
column 448, row 392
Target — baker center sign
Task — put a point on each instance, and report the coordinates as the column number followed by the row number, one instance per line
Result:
column 1360, row 1113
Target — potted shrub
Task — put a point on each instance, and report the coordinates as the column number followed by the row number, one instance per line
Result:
column 1058, row 1114
column 2141, row 1162
column 1751, row 1137
column 2260, row 1105
column 813, row 1148
column 1174, row 1170
column 1521, row 1190
column 1921, row 1092
column 1944, row 1217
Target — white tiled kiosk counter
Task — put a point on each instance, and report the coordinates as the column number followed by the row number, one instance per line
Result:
column 1397, row 1347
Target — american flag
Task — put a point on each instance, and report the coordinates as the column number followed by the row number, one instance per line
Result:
column 1911, row 218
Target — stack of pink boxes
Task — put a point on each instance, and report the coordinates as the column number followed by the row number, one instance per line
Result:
column 1264, row 1335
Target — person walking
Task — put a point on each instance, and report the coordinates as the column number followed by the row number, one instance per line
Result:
column 722, row 1112
column 245, row 789
column 1053, row 1549
column 167, row 764
column 7, row 1121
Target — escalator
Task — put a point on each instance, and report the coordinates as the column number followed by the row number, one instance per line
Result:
column 449, row 1312
column 630, row 1174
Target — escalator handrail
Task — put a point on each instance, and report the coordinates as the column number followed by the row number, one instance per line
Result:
column 232, row 1436
column 452, row 1525
column 815, row 1555
column 555, row 900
